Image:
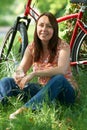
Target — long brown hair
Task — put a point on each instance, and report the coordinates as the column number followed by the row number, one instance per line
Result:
column 52, row 45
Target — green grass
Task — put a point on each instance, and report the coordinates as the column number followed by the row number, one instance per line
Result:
column 1, row 40
column 53, row 117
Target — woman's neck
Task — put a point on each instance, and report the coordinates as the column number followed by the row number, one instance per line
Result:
column 45, row 46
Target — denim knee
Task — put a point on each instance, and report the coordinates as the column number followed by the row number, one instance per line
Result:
column 59, row 85
column 59, row 77
column 6, row 85
column 68, row 93
column 6, row 79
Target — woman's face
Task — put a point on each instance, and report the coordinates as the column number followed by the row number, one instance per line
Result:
column 44, row 29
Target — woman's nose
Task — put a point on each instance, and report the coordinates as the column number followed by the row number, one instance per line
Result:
column 44, row 27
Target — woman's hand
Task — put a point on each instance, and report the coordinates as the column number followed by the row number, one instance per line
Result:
column 24, row 80
column 18, row 75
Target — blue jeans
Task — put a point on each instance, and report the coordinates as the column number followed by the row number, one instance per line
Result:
column 57, row 88
column 9, row 88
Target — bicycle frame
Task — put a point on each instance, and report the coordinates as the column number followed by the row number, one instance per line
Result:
column 29, row 10
column 78, row 24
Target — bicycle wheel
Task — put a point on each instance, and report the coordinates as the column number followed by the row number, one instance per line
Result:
column 79, row 53
column 7, row 64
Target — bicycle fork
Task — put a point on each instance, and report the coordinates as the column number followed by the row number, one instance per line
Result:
column 15, row 27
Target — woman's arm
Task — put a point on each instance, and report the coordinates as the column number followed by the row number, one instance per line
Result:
column 26, row 61
column 23, row 67
column 63, row 64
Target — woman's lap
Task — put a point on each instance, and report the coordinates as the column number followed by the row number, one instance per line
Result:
column 57, row 86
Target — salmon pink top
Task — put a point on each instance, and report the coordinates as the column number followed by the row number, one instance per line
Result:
column 40, row 65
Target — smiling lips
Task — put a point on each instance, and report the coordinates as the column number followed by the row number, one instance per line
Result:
column 44, row 34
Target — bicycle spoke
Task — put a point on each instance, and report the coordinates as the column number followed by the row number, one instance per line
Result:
column 79, row 53
column 10, row 58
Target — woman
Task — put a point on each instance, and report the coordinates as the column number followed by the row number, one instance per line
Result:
column 50, row 58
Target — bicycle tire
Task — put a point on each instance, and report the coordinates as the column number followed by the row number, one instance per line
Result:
column 79, row 53
column 7, row 65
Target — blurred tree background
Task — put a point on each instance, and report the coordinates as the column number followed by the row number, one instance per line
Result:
column 9, row 9
column 57, row 7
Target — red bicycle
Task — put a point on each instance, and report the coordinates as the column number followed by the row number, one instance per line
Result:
column 11, row 51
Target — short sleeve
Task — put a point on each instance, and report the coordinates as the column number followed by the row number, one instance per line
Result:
column 63, row 45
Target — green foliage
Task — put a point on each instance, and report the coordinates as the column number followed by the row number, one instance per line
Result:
column 13, row 8
column 56, row 7
column 9, row 10
column 67, row 27
column 5, row 6
column 9, row 6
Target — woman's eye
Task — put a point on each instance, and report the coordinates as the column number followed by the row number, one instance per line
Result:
column 41, row 25
column 49, row 26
